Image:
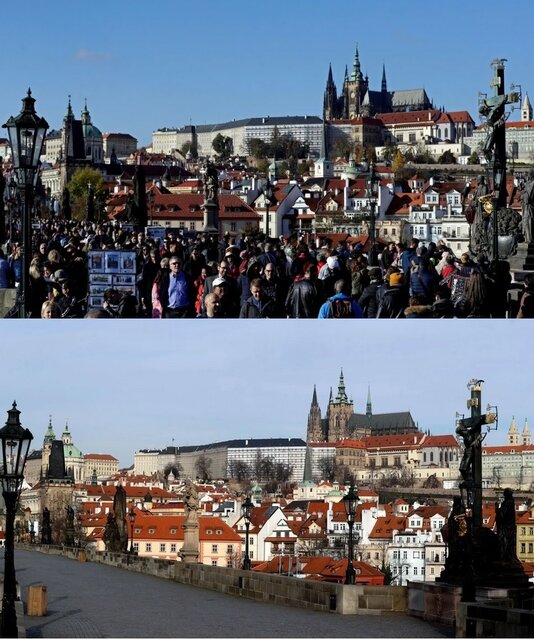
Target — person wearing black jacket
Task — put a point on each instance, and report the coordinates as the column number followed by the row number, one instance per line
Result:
column 395, row 298
column 368, row 301
column 304, row 298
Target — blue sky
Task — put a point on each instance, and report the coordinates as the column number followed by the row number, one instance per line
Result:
column 128, row 385
column 144, row 65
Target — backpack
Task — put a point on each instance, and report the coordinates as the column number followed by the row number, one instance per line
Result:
column 340, row 308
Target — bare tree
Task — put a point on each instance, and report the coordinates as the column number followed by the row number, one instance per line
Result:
column 174, row 467
column 203, row 467
column 240, row 470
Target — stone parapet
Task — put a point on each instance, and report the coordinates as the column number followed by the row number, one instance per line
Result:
column 291, row 591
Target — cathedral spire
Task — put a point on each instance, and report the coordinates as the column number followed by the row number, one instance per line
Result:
column 513, row 433
column 384, row 83
column 356, row 67
column 314, row 397
column 525, row 436
column 369, row 406
column 70, row 114
column 341, row 393
column 49, row 435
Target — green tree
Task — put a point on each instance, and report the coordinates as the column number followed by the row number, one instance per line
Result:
column 258, row 148
column 474, row 158
column 79, row 187
column 390, row 150
column 223, row 146
column 186, row 147
column 447, row 157
column 386, row 570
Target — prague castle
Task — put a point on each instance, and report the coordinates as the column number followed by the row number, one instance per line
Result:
column 356, row 99
column 342, row 422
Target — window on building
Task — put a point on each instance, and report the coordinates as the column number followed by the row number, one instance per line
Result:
column 136, row 546
column 411, row 137
column 404, row 555
column 230, row 548
column 182, row 224
column 229, row 563
column 233, row 226
column 415, row 571
column 397, row 461
column 384, row 462
column 162, row 547
column 251, row 554
column 432, row 570
column 148, row 546
column 530, row 549
column 523, row 547
column 173, row 548
column 214, row 548
column 214, row 563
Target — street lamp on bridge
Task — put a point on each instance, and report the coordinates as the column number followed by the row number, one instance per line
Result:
column 131, row 517
column 26, row 137
column 350, row 500
column 246, row 510
column 15, row 443
column 373, row 184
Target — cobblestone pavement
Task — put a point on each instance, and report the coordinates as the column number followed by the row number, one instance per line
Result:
column 88, row 600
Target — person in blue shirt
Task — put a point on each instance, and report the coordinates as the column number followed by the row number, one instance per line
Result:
column 340, row 305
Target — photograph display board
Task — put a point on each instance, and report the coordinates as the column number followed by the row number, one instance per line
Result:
column 110, row 269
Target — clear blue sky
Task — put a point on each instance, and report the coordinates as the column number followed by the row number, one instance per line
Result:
column 127, row 385
column 145, row 65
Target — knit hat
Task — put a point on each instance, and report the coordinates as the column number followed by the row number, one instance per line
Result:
column 332, row 262
column 396, row 279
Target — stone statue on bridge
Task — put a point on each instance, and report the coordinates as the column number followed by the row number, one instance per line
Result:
column 46, row 528
column 190, row 551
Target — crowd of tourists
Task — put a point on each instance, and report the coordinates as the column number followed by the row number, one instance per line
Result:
column 201, row 277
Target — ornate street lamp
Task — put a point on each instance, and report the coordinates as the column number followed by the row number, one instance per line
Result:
column 26, row 137
column 12, row 188
column 268, row 194
column 246, row 511
column 373, row 184
column 15, row 443
column 150, row 197
column 350, row 500
column 131, row 517
column 497, row 182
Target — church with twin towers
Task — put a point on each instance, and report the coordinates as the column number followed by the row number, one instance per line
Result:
column 342, row 422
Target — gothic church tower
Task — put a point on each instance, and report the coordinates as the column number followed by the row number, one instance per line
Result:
column 525, row 436
column 315, row 432
column 513, row 433
column 354, row 89
column 340, row 412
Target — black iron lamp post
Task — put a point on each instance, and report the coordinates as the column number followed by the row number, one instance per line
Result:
column 12, row 188
column 350, row 501
column 26, row 137
column 373, row 184
column 15, row 443
column 150, row 197
column 246, row 510
column 131, row 517
column 497, row 182
column 268, row 194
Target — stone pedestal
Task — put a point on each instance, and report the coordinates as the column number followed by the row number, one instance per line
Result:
column 211, row 218
column 190, row 551
column 523, row 261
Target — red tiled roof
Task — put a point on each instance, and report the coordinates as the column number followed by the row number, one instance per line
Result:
column 407, row 440
column 99, row 456
column 414, row 117
column 385, row 525
column 350, row 444
column 440, row 441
